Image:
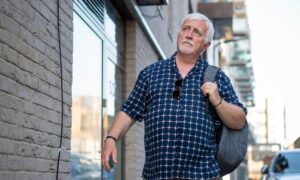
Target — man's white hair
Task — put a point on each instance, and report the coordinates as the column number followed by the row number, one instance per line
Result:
column 201, row 17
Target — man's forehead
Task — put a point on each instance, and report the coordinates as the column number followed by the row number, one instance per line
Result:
column 196, row 23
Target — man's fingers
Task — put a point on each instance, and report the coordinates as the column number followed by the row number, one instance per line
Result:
column 106, row 161
column 114, row 156
column 110, row 151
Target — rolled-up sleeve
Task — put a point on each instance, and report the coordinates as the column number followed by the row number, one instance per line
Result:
column 227, row 91
column 135, row 105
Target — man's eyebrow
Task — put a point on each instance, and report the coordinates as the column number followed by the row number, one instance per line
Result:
column 199, row 29
column 186, row 26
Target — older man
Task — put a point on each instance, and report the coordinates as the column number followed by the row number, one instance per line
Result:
column 169, row 96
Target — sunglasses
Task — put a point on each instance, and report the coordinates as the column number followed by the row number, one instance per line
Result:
column 177, row 89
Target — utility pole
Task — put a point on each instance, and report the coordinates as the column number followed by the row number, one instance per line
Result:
column 284, row 126
column 267, row 121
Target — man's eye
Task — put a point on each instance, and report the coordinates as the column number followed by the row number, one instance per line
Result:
column 197, row 32
column 186, row 28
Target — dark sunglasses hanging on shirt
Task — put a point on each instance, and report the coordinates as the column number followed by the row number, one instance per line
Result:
column 177, row 89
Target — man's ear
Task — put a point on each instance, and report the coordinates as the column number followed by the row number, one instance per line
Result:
column 206, row 45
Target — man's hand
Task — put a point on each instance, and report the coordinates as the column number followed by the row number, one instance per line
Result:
column 210, row 89
column 231, row 115
column 109, row 150
column 118, row 129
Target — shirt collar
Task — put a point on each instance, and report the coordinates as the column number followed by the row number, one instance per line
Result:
column 200, row 64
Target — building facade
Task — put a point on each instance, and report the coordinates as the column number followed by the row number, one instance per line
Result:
column 66, row 68
column 35, row 89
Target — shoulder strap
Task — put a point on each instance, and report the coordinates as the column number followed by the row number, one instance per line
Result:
column 209, row 76
column 210, row 73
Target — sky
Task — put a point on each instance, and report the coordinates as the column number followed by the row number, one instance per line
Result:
column 275, row 36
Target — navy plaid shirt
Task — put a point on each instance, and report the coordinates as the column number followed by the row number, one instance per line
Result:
column 180, row 138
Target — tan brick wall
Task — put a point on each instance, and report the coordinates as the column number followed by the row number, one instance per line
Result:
column 30, row 95
column 139, row 54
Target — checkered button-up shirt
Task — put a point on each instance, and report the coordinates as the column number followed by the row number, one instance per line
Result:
column 179, row 133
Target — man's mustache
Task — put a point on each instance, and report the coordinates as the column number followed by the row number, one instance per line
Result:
column 189, row 42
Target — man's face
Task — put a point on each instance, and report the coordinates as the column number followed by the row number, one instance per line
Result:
column 191, row 39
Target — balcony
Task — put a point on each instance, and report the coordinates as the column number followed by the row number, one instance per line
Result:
column 221, row 14
column 241, row 73
column 239, row 62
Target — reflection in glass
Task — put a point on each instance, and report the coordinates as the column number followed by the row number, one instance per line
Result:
column 86, row 102
column 112, row 80
column 112, row 99
column 281, row 163
column 287, row 163
column 114, row 30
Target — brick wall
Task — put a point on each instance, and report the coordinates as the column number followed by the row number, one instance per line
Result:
column 139, row 54
column 30, row 90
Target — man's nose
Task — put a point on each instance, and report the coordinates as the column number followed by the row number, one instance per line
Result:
column 189, row 35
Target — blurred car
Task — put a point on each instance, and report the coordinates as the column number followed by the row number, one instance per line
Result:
column 83, row 168
column 285, row 165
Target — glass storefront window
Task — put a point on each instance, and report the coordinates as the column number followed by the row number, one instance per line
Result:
column 112, row 99
column 112, row 80
column 96, row 90
column 86, row 102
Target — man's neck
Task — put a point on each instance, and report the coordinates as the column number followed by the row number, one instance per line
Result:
column 187, row 60
column 185, row 63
